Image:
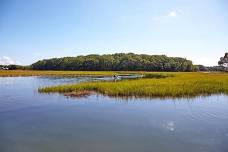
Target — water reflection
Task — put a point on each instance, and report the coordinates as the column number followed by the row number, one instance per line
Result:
column 39, row 122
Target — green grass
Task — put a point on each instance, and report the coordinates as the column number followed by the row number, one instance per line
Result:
column 178, row 85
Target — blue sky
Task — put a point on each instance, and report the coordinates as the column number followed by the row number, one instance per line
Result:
column 35, row 29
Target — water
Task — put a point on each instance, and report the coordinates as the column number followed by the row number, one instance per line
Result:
column 33, row 122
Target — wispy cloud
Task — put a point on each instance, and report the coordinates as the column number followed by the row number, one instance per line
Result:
column 167, row 16
column 172, row 14
column 5, row 60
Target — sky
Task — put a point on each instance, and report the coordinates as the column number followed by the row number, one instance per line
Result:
column 31, row 30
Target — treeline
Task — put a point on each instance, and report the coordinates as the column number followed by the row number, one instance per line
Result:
column 210, row 68
column 116, row 62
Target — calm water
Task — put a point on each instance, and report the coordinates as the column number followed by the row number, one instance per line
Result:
column 33, row 122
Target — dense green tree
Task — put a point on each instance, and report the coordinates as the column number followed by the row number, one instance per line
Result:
column 115, row 62
column 224, row 62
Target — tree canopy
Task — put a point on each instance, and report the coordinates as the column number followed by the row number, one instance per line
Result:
column 224, row 61
column 116, row 62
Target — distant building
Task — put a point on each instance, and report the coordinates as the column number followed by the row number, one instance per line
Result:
column 4, row 68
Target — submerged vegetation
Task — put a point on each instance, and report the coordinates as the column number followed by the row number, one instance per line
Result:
column 78, row 94
column 174, row 85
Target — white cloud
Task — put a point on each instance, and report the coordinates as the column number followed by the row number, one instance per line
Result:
column 172, row 14
column 168, row 15
column 207, row 61
column 5, row 60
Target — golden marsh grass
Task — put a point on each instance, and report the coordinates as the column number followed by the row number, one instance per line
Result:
column 16, row 73
column 179, row 85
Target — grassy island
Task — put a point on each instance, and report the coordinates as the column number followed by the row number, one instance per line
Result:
column 176, row 85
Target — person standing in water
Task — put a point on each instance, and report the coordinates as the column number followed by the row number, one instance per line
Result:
column 115, row 77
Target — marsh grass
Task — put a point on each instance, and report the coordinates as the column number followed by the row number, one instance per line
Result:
column 178, row 85
column 16, row 73
column 157, row 75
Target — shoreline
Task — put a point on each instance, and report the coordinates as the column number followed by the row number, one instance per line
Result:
column 25, row 73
